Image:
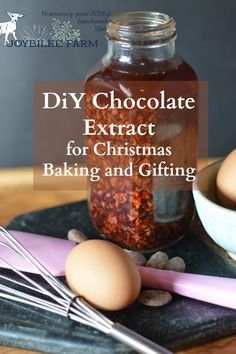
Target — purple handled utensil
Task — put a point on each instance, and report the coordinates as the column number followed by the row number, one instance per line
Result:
column 52, row 252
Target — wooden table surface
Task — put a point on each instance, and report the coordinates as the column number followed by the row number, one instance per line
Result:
column 17, row 196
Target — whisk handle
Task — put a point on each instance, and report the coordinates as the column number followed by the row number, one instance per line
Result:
column 135, row 341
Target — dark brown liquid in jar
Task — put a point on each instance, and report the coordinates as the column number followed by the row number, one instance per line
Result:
column 135, row 211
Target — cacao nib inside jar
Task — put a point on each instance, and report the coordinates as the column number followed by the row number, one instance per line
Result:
column 141, row 212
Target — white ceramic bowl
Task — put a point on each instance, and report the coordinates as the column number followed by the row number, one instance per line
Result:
column 219, row 222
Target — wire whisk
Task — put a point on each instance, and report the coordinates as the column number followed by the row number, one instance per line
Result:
column 57, row 298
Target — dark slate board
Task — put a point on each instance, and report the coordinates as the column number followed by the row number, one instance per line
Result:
column 183, row 323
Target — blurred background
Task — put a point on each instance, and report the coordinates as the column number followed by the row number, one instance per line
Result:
column 206, row 39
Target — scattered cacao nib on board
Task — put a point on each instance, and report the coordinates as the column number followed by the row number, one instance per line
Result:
column 154, row 298
column 76, row 236
column 176, row 264
column 138, row 258
column 158, row 260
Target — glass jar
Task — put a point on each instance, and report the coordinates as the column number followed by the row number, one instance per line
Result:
column 140, row 212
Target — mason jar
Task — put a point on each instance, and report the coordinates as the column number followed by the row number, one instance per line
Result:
column 142, row 209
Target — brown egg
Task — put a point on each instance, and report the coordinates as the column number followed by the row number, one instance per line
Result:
column 226, row 181
column 104, row 274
